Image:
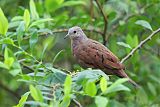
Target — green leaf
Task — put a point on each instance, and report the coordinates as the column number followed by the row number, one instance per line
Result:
column 101, row 101
column 152, row 88
column 17, row 18
column 72, row 3
column 117, row 86
column 66, row 101
column 6, row 53
column 90, row 75
column 8, row 60
column 26, row 18
column 103, row 84
column 40, row 21
column 44, row 49
column 132, row 41
column 90, row 89
column 144, row 24
column 16, row 68
column 33, row 40
column 2, row 65
column 36, row 104
column 36, row 93
column 124, row 45
column 6, row 41
column 34, row 14
column 57, row 56
column 52, row 5
column 135, row 40
column 67, row 85
column 3, row 23
column 22, row 100
column 20, row 32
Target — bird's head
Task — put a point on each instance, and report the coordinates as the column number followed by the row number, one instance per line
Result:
column 75, row 33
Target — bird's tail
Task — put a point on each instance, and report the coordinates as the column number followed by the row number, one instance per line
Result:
column 133, row 83
column 122, row 74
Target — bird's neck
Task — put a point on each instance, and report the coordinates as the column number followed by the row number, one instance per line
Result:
column 77, row 41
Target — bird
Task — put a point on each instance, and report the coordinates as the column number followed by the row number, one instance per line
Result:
column 92, row 54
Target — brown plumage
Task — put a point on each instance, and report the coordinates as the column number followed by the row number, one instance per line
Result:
column 93, row 54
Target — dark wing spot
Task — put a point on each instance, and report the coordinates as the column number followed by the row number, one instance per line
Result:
column 95, row 42
column 97, row 53
column 102, row 58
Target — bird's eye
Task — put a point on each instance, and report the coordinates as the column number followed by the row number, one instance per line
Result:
column 74, row 31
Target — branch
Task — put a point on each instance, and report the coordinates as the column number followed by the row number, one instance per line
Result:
column 84, row 29
column 66, row 30
column 27, row 67
column 140, row 45
column 105, row 22
column 91, row 9
column 77, row 103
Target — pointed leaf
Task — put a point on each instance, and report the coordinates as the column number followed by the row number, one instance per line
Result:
column 3, row 23
column 33, row 40
column 67, row 85
column 22, row 100
column 40, row 21
column 103, row 84
column 33, row 10
column 66, row 101
column 26, row 18
column 8, row 60
column 117, row 86
column 72, row 3
column 124, row 45
column 152, row 88
column 6, row 41
column 36, row 93
column 52, row 5
column 57, row 55
column 144, row 24
column 20, row 32
column 90, row 89
column 16, row 68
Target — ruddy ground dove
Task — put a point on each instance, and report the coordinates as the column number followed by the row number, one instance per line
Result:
column 92, row 54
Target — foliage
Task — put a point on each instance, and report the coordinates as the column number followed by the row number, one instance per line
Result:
column 36, row 62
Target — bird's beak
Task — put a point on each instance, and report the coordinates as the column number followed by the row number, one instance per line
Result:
column 66, row 36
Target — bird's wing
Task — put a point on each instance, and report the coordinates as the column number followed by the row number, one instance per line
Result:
column 97, row 55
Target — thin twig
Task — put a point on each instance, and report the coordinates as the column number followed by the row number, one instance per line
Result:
column 105, row 21
column 77, row 103
column 66, row 30
column 84, row 29
column 30, row 55
column 140, row 45
column 91, row 9
column 27, row 67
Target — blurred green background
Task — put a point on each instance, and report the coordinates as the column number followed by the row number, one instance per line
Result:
column 122, row 35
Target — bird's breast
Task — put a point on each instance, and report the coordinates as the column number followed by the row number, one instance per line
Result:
column 75, row 48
